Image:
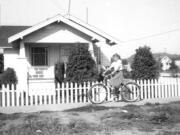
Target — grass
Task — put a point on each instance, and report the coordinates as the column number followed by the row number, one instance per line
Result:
column 157, row 119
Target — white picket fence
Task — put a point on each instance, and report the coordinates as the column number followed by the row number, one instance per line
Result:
column 77, row 93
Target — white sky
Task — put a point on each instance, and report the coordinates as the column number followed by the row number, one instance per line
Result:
column 125, row 19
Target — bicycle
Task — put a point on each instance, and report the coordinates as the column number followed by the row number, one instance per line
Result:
column 129, row 92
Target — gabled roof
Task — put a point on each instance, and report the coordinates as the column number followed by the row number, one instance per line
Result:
column 166, row 58
column 96, row 30
column 73, row 22
column 7, row 31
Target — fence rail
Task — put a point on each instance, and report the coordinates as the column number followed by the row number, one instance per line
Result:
column 77, row 93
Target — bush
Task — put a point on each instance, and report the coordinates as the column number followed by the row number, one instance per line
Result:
column 8, row 77
column 144, row 65
column 81, row 66
column 174, row 69
column 127, row 74
column 1, row 63
column 59, row 72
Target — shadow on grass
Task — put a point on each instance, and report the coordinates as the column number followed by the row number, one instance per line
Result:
column 169, row 133
column 9, row 116
column 89, row 108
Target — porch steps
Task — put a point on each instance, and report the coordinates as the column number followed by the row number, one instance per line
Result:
column 41, row 83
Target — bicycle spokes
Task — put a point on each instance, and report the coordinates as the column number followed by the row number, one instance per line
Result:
column 131, row 92
column 98, row 94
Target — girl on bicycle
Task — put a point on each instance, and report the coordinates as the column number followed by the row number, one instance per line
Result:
column 116, row 69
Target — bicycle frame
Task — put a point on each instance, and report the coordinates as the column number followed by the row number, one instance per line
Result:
column 108, row 86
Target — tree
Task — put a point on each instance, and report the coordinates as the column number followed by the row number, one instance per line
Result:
column 144, row 66
column 8, row 77
column 1, row 63
column 81, row 66
column 174, row 69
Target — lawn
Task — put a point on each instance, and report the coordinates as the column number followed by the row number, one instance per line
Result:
column 148, row 119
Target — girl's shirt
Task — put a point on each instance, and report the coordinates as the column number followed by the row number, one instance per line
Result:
column 117, row 65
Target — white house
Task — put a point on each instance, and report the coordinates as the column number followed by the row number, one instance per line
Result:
column 34, row 51
column 166, row 63
column 177, row 62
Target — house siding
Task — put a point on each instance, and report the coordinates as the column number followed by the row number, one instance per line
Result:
column 57, row 33
column 11, row 58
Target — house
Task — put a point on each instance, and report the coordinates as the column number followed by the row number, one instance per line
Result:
column 128, row 67
column 177, row 62
column 166, row 63
column 33, row 51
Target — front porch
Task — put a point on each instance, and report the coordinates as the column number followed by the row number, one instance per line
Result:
column 41, row 59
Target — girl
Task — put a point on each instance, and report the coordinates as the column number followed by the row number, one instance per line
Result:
column 116, row 68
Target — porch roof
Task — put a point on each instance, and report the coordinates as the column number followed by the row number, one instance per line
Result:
column 74, row 22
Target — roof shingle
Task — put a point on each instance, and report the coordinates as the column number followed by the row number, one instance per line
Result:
column 7, row 31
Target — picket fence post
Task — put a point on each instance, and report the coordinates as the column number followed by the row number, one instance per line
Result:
column 141, row 89
column 71, row 92
column 12, row 95
column 178, row 86
column 3, row 95
column 155, row 88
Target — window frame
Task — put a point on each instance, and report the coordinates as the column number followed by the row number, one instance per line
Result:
column 31, row 55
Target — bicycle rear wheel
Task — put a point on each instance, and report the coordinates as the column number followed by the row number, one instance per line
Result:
column 97, row 94
column 130, row 92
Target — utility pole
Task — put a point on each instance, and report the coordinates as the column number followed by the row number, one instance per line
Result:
column 87, row 15
column 69, row 8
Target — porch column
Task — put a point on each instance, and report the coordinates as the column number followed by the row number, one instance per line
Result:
column 91, row 50
column 22, row 68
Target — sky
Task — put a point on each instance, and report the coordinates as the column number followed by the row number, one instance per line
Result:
column 155, row 23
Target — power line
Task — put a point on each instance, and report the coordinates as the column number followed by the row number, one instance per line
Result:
column 154, row 35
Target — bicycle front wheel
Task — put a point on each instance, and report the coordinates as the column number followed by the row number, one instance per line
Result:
column 97, row 94
column 131, row 92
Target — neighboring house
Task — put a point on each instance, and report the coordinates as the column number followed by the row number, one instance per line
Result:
column 35, row 50
column 128, row 67
column 166, row 63
column 177, row 62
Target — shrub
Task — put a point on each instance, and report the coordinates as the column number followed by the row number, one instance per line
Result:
column 127, row 74
column 174, row 69
column 144, row 65
column 1, row 63
column 59, row 72
column 8, row 77
column 81, row 66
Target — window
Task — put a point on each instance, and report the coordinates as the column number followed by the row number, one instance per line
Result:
column 39, row 56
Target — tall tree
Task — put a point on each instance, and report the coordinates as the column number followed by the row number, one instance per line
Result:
column 144, row 66
column 81, row 66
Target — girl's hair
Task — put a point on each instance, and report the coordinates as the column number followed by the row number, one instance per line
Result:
column 115, row 55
